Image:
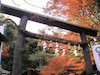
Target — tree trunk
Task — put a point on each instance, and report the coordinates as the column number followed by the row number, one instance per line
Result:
column 19, row 47
column 88, row 64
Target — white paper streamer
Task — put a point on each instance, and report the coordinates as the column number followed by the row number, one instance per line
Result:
column 75, row 51
column 57, row 49
column 63, row 52
column 44, row 46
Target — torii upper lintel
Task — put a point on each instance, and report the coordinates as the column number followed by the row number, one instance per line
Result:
column 47, row 20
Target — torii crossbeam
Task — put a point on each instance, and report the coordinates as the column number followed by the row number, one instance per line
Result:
column 47, row 20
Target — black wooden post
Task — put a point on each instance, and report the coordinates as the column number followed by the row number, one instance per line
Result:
column 88, row 64
column 19, row 47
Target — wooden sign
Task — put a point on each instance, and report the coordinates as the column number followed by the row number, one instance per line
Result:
column 96, row 53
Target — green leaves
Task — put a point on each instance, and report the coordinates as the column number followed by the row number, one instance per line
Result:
column 11, row 34
column 40, row 55
column 97, row 2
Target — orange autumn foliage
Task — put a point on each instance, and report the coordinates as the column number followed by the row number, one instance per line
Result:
column 62, row 64
column 72, row 36
column 5, row 52
column 75, row 11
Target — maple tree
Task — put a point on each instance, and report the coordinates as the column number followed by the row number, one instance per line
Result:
column 81, row 12
column 5, row 52
column 56, row 66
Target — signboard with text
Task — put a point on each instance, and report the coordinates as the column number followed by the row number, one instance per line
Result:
column 96, row 53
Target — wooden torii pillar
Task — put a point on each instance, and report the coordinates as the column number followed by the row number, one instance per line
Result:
column 19, row 48
column 88, row 64
column 58, row 23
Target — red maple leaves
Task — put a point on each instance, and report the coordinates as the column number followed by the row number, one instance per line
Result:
column 77, row 11
column 5, row 52
column 62, row 64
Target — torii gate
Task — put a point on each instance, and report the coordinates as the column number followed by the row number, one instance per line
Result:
column 25, row 16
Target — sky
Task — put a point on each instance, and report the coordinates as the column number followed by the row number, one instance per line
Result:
column 28, row 5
